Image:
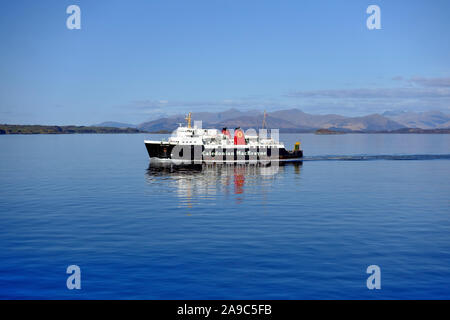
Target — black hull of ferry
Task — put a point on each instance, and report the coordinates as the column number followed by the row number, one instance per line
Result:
column 165, row 151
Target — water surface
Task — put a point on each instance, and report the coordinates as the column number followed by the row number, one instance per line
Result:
column 304, row 230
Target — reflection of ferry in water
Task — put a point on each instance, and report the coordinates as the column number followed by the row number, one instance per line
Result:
column 194, row 144
column 202, row 182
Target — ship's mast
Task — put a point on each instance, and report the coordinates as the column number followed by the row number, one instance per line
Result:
column 188, row 118
column 264, row 120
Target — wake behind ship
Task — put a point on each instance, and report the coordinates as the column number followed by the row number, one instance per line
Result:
column 194, row 144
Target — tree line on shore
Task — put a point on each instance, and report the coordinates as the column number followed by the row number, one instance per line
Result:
column 40, row 129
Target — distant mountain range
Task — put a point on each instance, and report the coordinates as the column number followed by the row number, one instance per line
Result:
column 113, row 124
column 295, row 120
column 423, row 120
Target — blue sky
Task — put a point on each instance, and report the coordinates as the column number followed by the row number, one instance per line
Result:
column 136, row 60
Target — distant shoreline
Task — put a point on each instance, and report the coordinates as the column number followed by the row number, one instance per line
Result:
column 398, row 131
column 6, row 129
column 42, row 129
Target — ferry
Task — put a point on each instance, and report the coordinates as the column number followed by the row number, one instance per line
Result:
column 193, row 144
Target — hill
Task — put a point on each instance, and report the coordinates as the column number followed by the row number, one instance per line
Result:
column 292, row 120
column 423, row 120
column 114, row 124
column 38, row 129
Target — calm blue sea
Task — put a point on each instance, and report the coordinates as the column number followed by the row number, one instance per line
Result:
column 299, row 231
